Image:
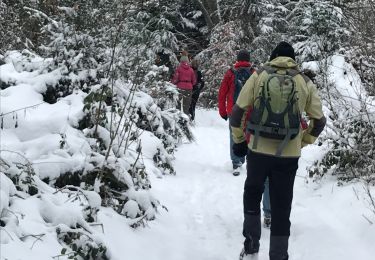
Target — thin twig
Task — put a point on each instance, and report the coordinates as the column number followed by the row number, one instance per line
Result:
column 37, row 238
column 98, row 224
column 7, row 233
column 355, row 192
column 369, row 221
column 9, row 151
column 11, row 112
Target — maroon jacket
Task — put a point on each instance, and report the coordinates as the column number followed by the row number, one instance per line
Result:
column 226, row 91
column 184, row 77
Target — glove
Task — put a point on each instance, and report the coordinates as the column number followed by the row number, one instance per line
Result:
column 240, row 149
column 224, row 117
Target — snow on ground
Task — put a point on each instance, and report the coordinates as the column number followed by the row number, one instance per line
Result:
column 204, row 217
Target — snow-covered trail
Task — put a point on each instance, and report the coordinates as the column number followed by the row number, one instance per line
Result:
column 204, row 218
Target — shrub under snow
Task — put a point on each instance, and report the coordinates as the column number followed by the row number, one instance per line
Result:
column 68, row 158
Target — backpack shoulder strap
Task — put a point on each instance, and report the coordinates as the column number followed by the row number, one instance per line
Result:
column 252, row 69
column 268, row 69
column 294, row 72
column 249, row 69
column 307, row 79
column 234, row 71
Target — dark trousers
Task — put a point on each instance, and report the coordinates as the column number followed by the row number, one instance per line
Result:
column 184, row 100
column 194, row 100
column 281, row 173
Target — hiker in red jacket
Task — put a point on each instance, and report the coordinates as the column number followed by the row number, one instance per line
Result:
column 228, row 93
column 184, row 78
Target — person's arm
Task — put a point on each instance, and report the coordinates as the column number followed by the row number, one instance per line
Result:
column 193, row 77
column 244, row 102
column 315, row 113
column 223, row 93
column 200, row 80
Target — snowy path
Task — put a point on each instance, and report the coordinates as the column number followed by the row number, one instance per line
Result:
column 205, row 210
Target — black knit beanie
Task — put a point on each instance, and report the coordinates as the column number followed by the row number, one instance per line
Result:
column 283, row 49
column 243, row 55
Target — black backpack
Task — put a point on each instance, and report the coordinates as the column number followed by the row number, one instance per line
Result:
column 241, row 75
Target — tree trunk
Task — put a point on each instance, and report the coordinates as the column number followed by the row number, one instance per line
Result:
column 212, row 8
column 210, row 12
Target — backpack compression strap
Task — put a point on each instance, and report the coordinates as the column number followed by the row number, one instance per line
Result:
column 287, row 132
column 285, row 141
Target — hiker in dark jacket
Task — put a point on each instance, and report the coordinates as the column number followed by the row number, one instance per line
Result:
column 197, row 88
column 184, row 78
column 269, row 155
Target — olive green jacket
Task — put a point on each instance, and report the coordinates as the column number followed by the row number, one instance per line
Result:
column 308, row 101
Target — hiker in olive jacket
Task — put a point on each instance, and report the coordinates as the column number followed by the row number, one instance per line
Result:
column 268, row 157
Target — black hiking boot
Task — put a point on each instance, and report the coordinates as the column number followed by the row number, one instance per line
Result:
column 279, row 248
column 251, row 231
column 244, row 256
column 251, row 246
column 250, row 249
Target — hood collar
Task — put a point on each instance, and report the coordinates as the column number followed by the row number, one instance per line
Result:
column 184, row 64
column 283, row 62
column 239, row 64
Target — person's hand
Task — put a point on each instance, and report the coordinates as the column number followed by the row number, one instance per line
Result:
column 224, row 117
column 240, row 149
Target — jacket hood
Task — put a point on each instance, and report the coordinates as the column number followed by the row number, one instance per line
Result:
column 283, row 62
column 185, row 65
column 239, row 64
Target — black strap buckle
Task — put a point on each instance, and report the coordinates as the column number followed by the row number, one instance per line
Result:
column 275, row 130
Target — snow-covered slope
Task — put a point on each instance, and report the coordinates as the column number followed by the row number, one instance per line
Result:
column 204, row 217
column 56, row 174
column 205, row 210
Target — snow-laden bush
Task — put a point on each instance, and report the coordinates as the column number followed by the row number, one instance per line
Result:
column 88, row 146
column 70, row 212
column 7, row 190
column 350, row 135
column 361, row 51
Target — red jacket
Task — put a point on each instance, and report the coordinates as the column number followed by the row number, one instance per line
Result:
column 226, row 91
column 184, row 76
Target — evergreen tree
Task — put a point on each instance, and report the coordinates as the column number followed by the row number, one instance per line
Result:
column 318, row 29
column 16, row 29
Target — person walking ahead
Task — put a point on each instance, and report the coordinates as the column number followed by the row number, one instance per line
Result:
column 197, row 88
column 229, row 90
column 185, row 79
column 278, row 93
